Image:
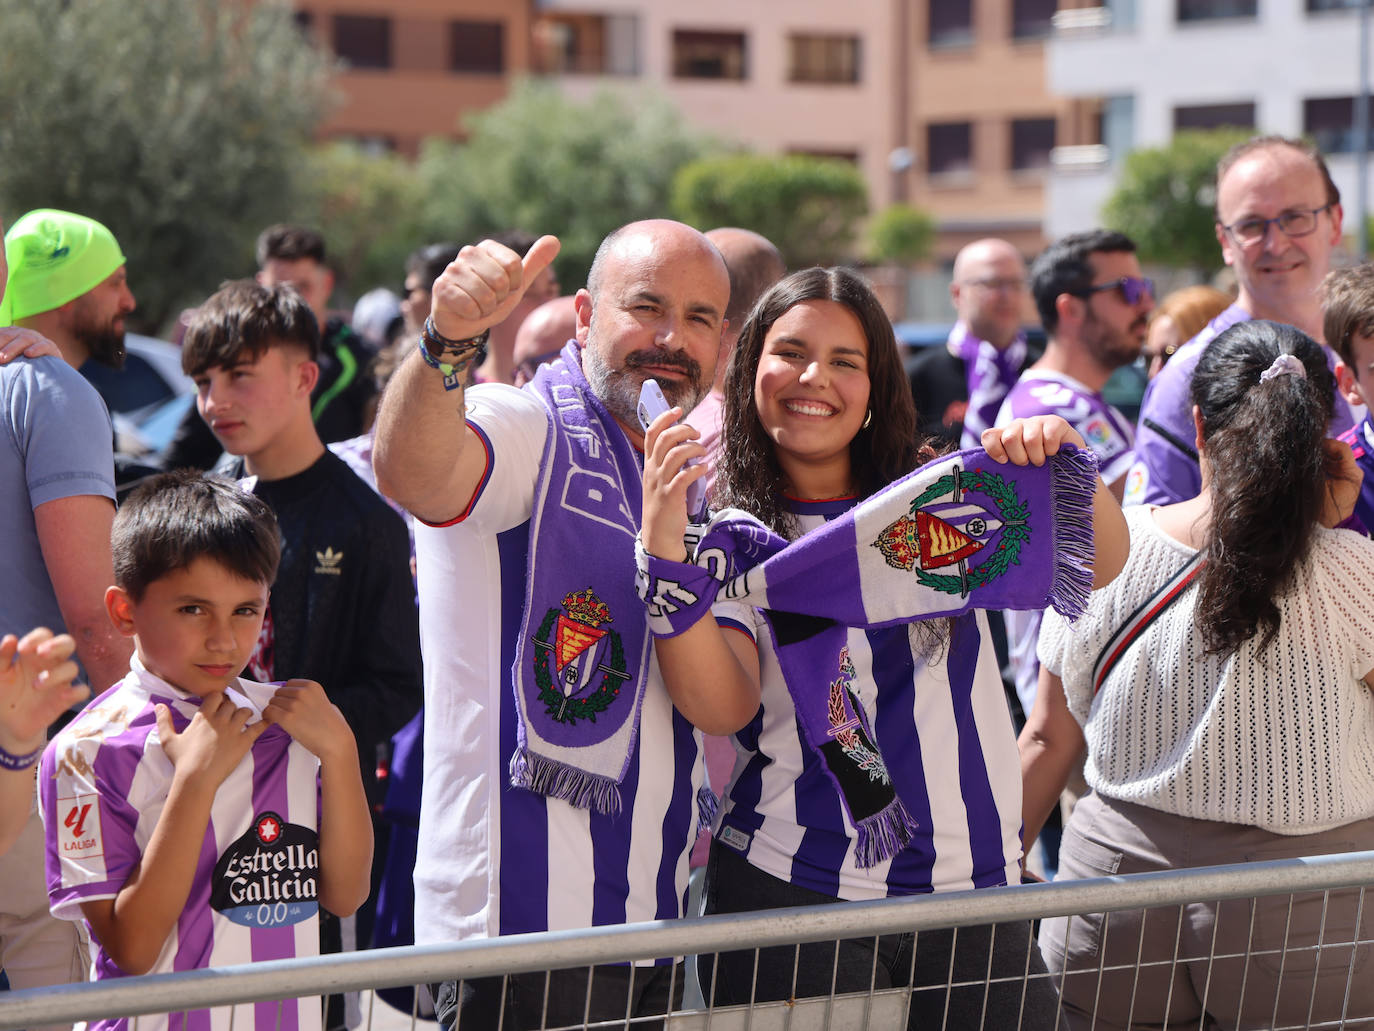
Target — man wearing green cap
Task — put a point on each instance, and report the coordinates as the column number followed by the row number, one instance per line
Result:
column 67, row 281
column 56, row 508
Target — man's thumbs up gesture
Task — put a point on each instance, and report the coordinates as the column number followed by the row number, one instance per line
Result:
column 483, row 284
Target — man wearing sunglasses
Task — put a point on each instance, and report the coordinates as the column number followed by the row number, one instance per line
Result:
column 1094, row 304
column 1278, row 219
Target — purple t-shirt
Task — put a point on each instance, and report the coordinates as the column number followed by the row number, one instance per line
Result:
column 103, row 783
column 1166, row 469
column 1361, row 441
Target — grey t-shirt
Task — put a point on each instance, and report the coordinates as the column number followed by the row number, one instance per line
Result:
column 55, row 442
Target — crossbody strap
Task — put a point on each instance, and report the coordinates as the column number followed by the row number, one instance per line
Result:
column 1139, row 620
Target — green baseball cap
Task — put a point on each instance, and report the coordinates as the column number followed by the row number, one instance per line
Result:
column 54, row 257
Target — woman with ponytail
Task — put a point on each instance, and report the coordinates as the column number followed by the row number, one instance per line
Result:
column 1220, row 687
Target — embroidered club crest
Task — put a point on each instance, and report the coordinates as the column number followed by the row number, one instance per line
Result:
column 848, row 727
column 976, row 538
column 579, row 662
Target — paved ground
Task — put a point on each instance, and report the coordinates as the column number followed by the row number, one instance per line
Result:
column 386, row 1018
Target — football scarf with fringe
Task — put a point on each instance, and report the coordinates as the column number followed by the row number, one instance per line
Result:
column 962, row 532
column 582, row 660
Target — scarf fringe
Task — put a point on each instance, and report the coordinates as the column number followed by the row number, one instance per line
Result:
column 707, row 806
column 578, row 788
column 1073, row 482
column 882, row 835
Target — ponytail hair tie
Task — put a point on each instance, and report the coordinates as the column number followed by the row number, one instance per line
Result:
column 1284, row 365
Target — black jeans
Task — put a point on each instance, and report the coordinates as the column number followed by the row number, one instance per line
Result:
column 480, row 1004
column 883, row 961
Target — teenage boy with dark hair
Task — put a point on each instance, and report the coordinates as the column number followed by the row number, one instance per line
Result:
column 1348, row 325
column 343, row 605
column 194, row 818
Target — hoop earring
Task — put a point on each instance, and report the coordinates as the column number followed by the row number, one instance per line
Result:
column 867, row 419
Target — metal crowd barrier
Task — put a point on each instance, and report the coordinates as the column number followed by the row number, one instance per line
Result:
column 415, row 965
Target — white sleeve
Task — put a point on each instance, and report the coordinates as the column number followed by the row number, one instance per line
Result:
column 1346, row 564
column 512, row 426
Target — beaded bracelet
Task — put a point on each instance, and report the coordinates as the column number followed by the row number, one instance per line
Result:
column 9, row 761
column 458, row 349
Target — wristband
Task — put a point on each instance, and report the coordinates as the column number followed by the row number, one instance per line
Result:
column 453, row 371
column 10, row 761
column 677, row 594
column 458, row 349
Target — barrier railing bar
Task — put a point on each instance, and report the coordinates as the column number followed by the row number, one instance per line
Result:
column 418, row 964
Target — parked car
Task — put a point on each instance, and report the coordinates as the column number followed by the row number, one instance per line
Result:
column 147, row 398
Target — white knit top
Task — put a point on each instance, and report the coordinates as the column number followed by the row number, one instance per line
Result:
column 1280, row 738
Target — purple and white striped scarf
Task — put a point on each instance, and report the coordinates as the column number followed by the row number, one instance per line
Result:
column 582, row 660
column 990, row 375
column 959, row 533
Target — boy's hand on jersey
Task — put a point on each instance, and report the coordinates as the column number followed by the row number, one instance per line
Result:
column 303, row 710
column 213, row 743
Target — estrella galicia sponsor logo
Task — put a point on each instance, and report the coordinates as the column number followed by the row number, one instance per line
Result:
column 269, row 876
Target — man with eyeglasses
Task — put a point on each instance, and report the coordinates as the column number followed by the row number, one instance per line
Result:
column 958, row 388
column 1094, row 304
column 1278, row 219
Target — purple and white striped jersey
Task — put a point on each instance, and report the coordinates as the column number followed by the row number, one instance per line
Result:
column 495, row 859
column 946, row 719
column 103, row 784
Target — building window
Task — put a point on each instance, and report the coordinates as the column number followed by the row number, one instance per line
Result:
column 1214, row 116
column 362, row 41
column 1330, row 122
column 1032, row 139
column 823, row 58
column 586, row 44
column 710, row 55
column 1333, row 5
column 1208, row 10
column 1031, row 19
column 949, row 148
column 478, row 47
column 951, row 23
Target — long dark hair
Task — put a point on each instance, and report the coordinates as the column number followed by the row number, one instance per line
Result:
column 1264, row 445
column 748, row 475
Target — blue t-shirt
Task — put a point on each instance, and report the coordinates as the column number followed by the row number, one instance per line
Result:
column 55, row 442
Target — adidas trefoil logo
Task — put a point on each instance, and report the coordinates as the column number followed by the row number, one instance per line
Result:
column 329, row 561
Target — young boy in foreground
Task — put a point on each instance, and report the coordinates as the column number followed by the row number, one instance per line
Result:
column 195, row 819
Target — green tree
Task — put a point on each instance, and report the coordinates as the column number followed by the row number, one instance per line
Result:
column 809, row 207
column 1165, row 199
column 177, row 123
column 370, row 208
column 541, row 162
column 900, row 234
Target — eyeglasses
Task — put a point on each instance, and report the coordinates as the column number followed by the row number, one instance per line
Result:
column 998, row 286
column 1134, row 289
column 1298, row 222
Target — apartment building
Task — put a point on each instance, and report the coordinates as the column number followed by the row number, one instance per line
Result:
column 414, row 68
column 1154, row 67
column 984, row 122
column 801, row 76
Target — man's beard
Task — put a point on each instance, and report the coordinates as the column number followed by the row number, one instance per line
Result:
column 619, row 389
column 105, row 344
column 1111, row 349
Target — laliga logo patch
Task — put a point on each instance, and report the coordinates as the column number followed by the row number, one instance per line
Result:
column 269, row 876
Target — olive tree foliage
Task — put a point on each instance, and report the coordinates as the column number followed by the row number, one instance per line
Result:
column 180, row 124
column 809, row 207
column 1165, row 200
column 370, row 209
column 901, row 235
column 544, row 163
